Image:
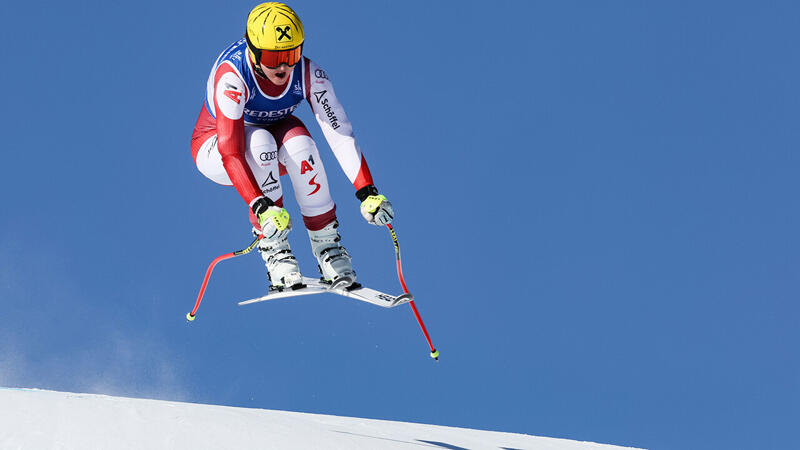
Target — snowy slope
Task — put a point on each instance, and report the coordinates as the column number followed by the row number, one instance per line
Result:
column 36, row 419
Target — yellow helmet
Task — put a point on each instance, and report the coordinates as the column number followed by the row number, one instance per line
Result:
column 274, row 26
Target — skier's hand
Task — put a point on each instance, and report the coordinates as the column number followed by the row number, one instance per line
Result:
column 273, row 220
column 375, row 208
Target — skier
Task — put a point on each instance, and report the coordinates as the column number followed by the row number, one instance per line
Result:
column 246, row 136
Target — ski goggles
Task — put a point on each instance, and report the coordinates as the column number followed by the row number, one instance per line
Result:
column 274, row 58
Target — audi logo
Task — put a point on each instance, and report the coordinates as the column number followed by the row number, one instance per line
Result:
column 268, row 156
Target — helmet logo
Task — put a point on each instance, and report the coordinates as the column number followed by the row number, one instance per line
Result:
column 282, row 33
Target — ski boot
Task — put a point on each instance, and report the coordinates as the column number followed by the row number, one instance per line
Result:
column 282, row 268
column 335, row 264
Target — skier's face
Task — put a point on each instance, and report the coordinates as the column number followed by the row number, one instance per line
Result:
column 278, row 75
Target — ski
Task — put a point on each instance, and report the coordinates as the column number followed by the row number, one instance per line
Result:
column 357, row 292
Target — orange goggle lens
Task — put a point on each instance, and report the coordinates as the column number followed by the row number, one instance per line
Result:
column 273, row 59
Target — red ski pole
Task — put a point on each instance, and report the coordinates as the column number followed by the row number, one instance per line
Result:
column 190, row 316
column 434, row 352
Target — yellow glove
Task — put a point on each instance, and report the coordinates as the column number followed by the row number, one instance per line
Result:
column 377, row 210
column 273, row 220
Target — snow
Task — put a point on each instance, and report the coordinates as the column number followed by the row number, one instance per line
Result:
column 38, row 419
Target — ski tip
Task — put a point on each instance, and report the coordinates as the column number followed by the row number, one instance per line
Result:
column 405, row 298
column 189, row 317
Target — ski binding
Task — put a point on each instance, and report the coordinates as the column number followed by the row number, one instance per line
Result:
column 343, row 287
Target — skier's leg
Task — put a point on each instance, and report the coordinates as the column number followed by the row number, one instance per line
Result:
column 209, row 162
column 261, row 156
column 299, row 154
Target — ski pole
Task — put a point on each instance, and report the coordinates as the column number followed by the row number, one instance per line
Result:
column 434, row 352
column 190, row 316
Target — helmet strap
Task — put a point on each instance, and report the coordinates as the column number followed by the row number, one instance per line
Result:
column 257, row 69
column 256, row 56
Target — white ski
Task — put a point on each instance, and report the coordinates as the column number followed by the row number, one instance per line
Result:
column 315, row 286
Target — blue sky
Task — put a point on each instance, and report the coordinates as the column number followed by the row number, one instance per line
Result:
column 596, row 203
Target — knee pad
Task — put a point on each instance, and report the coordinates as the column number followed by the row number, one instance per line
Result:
column 299, row 147
column 261, row 146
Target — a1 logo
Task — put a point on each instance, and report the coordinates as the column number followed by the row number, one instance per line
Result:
column 233, row 95
column 305, row 166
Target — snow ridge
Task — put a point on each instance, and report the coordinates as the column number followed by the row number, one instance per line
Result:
column 38, row 419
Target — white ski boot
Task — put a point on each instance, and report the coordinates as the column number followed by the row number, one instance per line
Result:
column 282, row 267
column 335, row 264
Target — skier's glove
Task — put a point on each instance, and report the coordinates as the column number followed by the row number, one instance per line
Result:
column 375, row 208
column 273, row 220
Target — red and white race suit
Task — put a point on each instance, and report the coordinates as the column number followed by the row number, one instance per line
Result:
column 246, row 135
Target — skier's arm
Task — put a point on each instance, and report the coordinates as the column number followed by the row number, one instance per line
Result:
column 338, row 131
column 335, row 126
column 230, row 95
